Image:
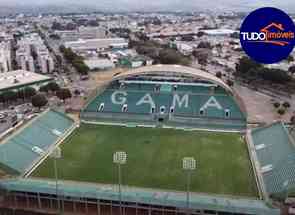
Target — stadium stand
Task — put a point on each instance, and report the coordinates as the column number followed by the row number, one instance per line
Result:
column 204, row 102
column 204, row 204
column 275, row 151
column 20, row 151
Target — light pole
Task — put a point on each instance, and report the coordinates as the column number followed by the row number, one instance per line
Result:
column 188, row 164
column 56, row 154
column 286, row 185
column 120, row 158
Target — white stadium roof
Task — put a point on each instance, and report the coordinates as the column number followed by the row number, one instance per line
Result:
column 20, row 78
column 177, row 69
column 174, row 69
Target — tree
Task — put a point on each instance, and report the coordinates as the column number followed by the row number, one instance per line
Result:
column 281, row 111
column 245, row 64
column 235, row 35
column 157, row 21
column 201, row 55
column 64, row 94
column 29, row 92
column 292, row 123
column 10, row 96
column 290, row 58
column 44, row 89
column 274, row 75
column 200, row 34
column 292, row 69
column 202, row 59
column 93, row 23
column 53, row 86
column 70, row 26
column 230, row 83
column 66, row 70
column 277, row 104
column 75, row 60
column 218, row 74
column 204, row 45
column 69, row 55
column 170, row 56
column 250, row 69
column 59, row 59
column 77, row 92
column 54, row 36
column 81, row 68
column 34, row 54
column 286, row 105
column 62, row 48
column 26, row 93
column 2, row 98
column 39, row 100
column 57, row 26
column 187, row 38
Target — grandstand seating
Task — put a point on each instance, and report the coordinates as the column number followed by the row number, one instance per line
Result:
column 275, row 150
column 134, row 97
column 163, row 96
column 29, row 144
column 131, row 196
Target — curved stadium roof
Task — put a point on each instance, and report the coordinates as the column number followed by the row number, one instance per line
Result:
column 158, row 69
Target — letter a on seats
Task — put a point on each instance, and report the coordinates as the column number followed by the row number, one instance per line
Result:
column 212, row 102
column 147, row 99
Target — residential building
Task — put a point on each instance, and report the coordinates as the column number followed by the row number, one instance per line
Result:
column 32, row 51
column 5, row 57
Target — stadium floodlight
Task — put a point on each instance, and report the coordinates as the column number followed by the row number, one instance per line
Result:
column 188, row 164
column 120, row 158
column 286, row 186
column 56, row 154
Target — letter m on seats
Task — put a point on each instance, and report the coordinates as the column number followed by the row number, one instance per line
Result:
column 180, row 101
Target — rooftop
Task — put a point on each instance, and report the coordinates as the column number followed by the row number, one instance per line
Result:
column 19, row 78
column 218, row 31
column 99, row 63
column 96, row 43
column 156, row 69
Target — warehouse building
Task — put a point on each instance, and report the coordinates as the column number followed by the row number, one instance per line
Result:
column 97, row 44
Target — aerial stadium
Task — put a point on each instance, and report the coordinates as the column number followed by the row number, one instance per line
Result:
column 157, row 115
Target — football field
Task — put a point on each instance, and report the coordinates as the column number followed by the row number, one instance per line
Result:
column 155, row 159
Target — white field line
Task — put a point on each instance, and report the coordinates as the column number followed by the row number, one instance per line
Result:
column 39, row 160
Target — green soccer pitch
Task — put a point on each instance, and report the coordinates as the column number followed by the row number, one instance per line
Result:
column 155, row 159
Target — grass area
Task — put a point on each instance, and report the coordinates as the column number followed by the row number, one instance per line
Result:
column 155, row 159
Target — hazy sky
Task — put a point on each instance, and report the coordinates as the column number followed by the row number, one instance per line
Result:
column 288, row 5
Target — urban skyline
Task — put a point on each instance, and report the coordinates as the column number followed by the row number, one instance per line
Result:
column 133, row 5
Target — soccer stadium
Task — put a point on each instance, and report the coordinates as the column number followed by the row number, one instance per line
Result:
column 157, row 115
